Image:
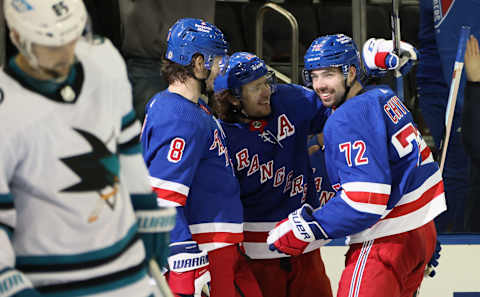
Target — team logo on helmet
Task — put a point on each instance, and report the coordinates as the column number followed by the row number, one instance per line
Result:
column 21, row 5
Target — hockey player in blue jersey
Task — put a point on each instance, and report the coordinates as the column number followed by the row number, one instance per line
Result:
column 70, row 163
column 190, row 169
column 267, row 127
column 390, row 189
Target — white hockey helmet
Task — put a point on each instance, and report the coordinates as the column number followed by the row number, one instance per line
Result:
column 44, row 22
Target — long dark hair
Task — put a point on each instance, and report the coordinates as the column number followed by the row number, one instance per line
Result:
column 172, row 71
column 223, row 107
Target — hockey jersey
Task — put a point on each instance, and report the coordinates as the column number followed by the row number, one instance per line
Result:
column 323, row 188
column 190, row 168
column 388, row 180
column 70, row 164
column 271, row 162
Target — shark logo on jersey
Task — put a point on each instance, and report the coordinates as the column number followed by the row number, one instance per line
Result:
column 98, row 171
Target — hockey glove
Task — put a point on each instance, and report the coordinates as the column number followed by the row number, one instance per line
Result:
column 16, row 284
column 378, row 57
column 430, row 269
column 189, row 269
column 154, row 226
column 292, row 235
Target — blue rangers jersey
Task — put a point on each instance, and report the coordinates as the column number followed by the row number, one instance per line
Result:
column 271, row 162
column 324, row 189
column 70, row 164
column 388, row 180
column 190, row 168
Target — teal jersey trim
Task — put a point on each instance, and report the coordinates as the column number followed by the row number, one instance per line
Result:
column 8, row 230
column 80, row 258
column 130, row 150
column 6, row 201
column 101, row 288
column 128, row 119
column 44, row 86
column 6, row 198
column 144, row 201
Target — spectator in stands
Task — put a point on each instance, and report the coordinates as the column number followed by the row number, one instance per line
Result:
column 470, row 124
column 144, row 32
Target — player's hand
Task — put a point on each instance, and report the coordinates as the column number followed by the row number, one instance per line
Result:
column 378, row 57
column 472, row 60
column 189, row 269
column 154, row 227
column 293, row 234
column 430, row 269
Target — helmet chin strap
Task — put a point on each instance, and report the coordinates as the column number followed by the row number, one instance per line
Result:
column 25, row 48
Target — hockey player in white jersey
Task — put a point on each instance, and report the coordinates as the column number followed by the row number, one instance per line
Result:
column 72, row 181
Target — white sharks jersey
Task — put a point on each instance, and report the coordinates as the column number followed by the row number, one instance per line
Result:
column 70, row 167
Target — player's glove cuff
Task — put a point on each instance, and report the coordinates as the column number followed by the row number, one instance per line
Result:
column 378, row 57
column 156, row 220
column 292, row 235
column 189, row 269
column 15, row 284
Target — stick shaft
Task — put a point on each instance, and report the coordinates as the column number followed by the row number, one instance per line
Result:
column 454, row 86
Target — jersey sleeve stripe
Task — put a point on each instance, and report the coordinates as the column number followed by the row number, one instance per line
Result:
column 372, row 187
column 169, row 185
column 423, row 200
column 377, row 209
column 368, row 197
column 171, row 196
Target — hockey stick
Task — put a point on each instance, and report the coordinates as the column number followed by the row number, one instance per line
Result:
column 395, row 22
column 452, row 100
column 159, row 278
column 452, row 96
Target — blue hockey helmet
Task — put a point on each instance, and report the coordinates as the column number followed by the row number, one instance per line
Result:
column 241, row 68
column 331, row 51
column 188, row 37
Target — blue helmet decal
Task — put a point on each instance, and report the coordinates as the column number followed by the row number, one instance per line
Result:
column 331, row 51
column 188, row 37
column 240, row 69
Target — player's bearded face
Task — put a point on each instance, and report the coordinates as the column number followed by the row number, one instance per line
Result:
column 256, row 98
column 329, row 85
column 215, row 70
column 55, row 62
